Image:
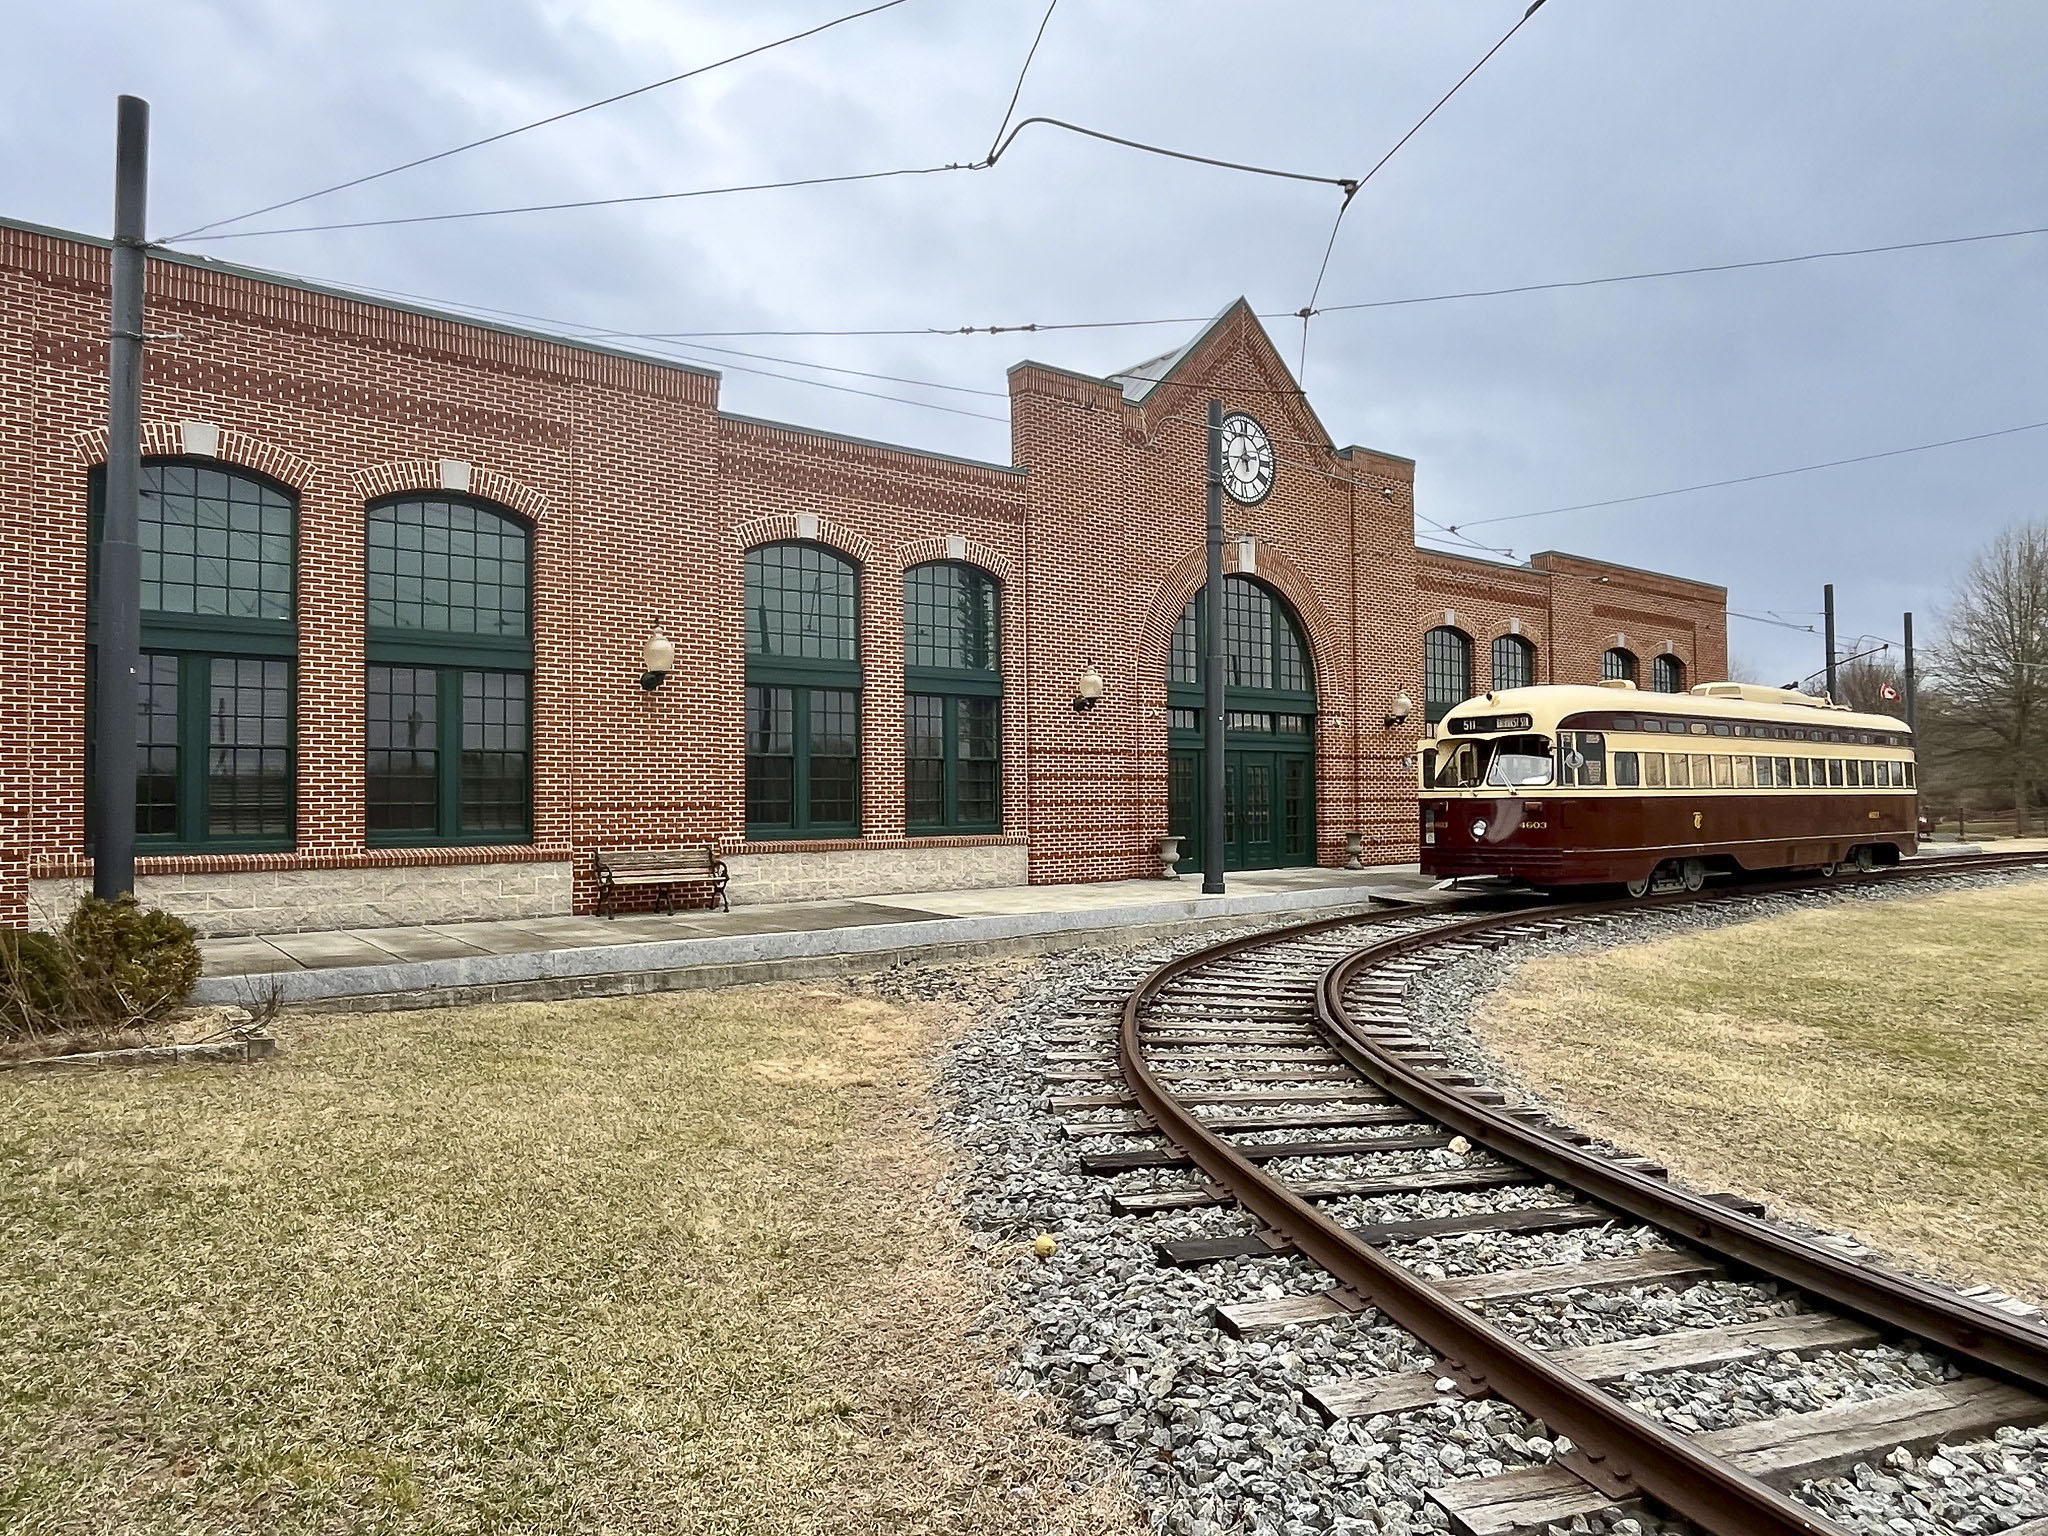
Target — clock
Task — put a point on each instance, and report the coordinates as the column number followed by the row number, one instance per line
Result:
column 1247, row 459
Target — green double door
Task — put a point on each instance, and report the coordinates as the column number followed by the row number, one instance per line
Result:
column 1269, row 807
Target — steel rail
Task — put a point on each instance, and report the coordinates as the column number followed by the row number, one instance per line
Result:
column 1619, row 1451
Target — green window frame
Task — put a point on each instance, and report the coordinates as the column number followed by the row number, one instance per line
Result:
column 448, row 687
column 217, row 695
column 1514, row 661
column 1446, row 671
column 953, row 687
column 803, row 692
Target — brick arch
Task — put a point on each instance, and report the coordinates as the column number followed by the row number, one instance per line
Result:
column 1275, row 570
column 784, row 528
column 403, row 475
column 927, row 550
column 166, row 440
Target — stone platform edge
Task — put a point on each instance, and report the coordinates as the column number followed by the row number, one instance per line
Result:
column 620, row 969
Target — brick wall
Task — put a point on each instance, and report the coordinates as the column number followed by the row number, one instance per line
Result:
column 644, row 497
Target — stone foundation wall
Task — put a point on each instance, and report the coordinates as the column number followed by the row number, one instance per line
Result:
column 817, row 874
column 296, row 900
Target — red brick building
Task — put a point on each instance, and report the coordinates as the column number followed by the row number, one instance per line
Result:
column 400, row 568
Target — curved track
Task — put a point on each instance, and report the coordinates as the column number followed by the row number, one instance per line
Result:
column 1305, row 1022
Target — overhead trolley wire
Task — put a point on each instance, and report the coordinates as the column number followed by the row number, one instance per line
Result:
column 543, row 122
column 1309, row 309
column 1771, row 474
column 1011, row 110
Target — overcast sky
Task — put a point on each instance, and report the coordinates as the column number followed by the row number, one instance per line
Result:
column 1608, row 137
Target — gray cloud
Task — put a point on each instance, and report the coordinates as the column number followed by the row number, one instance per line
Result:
column 1608, row 137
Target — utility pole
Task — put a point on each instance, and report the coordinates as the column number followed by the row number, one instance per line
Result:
column 1912, row 691
column 1212, row 724
column 1828, row 603
column 120, row 559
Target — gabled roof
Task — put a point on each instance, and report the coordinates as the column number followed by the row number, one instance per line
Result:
column 1140, row 379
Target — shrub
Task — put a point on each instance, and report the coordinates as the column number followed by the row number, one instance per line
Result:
column 35, row 974
column 128, row 963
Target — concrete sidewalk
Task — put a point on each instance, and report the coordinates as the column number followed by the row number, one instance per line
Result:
column 592, row 956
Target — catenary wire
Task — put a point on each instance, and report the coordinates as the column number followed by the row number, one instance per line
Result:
column 1773, row 474
column 545, row 121
column 1016, row 94
column 1330, row 246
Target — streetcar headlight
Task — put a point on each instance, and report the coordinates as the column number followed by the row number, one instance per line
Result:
column 1479, row 828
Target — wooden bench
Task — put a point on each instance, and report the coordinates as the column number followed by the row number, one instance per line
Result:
column 697, row 866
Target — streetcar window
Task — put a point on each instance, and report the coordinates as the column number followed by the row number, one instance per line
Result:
column 1625, row 772
column 1724, row 771
column 1681, row 770
column 1909, row 775
column 1624, row 723
column 1653, row 770
column 1464, row 767
column 1869, row 774
column 1699, row 727
column 1702, row 771
column 1800, row 769
column 1898, row 776
column 1654, row 727
column 1834, row 773
column 1742, row 772
column 1742, row 730
column 1763, row 773
column 1521, row 762
column 1798, row 735
column 1428, row 766
column 1583, row 757
column 1785, row 773
column 1719, row 728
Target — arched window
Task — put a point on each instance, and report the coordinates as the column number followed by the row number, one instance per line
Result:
column 1618, row 665
column 216, row 694
column 1268, row 728
column 1667, row 674
column 803, row 692
column 953, row 698
column 1446, row 671
column 1514, row 662
column 449, row 691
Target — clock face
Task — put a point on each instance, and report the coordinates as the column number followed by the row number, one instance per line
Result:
column 1247, row 459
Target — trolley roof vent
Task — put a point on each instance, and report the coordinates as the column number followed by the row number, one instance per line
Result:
column 1616, row 682
column 1752, row 693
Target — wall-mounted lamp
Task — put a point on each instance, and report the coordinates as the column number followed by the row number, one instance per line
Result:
column 1398, row 715
column 657, row 660
column 1087, row 689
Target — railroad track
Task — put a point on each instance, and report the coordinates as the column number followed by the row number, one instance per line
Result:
column 1282, row 1073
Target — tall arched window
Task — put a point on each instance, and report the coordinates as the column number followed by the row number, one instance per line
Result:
column 1618, row 666
column 1514, row 662
column 1446, row 671
column 215, row 704
column 449, row 695
column 1667, row 674
column 803, row 692
column 1269, row 705
column 953, row 698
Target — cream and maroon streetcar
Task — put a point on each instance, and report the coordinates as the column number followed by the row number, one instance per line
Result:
column 1557, row 786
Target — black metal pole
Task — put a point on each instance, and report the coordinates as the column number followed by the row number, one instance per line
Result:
column 120, row 560
column 1912, row 690
column 1828, row 603
column 1212, row 712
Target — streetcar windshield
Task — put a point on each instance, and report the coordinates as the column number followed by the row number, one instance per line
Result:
column 1521, row 762
column 1512, row 762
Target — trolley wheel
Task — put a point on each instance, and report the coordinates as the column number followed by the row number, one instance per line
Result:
column 1638, row 889
column 1828, row 871
column 1866, row 859
column 1694, row 873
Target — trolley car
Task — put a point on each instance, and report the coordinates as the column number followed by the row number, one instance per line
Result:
column 1561, row 786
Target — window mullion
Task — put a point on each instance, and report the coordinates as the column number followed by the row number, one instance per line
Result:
column 800, row 768
column 949, row 774
column 195, row 692
column 448, row 752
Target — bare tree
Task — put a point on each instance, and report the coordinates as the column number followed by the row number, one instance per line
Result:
column 1873, row 684
column 1993, row 661
column 1740, row 670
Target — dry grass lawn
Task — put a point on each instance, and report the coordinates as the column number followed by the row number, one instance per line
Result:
column 666, row 1264
column 1877, row 1067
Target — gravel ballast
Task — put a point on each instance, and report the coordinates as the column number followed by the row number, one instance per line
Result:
column 1216, row 1430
